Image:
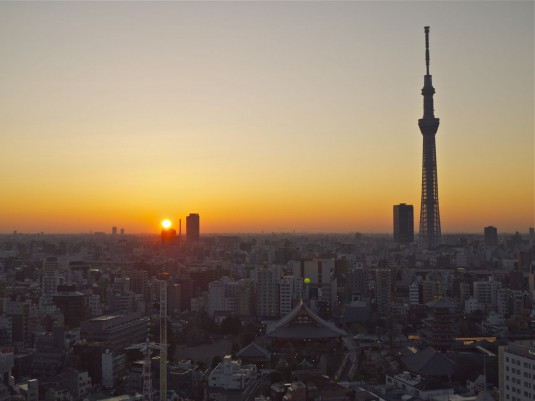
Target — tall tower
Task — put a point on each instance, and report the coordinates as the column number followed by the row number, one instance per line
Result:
column 163, row 277
column 429, row 214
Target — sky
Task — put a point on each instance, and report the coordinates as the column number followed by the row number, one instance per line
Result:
column 272, row 116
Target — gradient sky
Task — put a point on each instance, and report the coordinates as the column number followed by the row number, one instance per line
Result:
column 262, row 116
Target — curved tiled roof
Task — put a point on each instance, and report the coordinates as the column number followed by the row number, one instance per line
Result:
column 301, row 322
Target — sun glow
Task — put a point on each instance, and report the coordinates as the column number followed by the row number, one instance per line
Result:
column 166, row 223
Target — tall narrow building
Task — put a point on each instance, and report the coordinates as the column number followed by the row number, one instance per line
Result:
column 403, row 223
column 429, row 212
column 192, row 227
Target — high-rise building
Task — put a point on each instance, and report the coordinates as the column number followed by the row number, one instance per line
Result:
column 403, row 223
column 114, row 231
column 192, row 227
column 491, row 235
column 429, row 215
column 383, row 290
column 168, row 236
column 268, row 291
column 139, row 283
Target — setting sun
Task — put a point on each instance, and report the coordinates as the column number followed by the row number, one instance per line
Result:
column 166, row 223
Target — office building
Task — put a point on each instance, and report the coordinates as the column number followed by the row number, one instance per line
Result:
column 491, row 236
column 192, row 227
column 403, row 223
column 139, row 283
column 383, row 290
column 268, row 292
column 119, row 330
column 516, row 372
column 72, row 303
column 286, row 295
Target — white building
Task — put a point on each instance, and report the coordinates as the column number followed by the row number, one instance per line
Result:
column 486, row 293
column 286, row 295
column 471, row 305
column 113, row 368
column 95, row 308
column 416, row 386
column 217, row 301
column 227, row 295
column 49, row 285
column 268, row 291
column 232, row 380
column 414, row 293
column 517, row 372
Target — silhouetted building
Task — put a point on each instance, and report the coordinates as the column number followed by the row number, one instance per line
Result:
column 491, row 235
column 168, row 236
column 72, row 303
column 403, row 223
column 120, row 330
column 192, row 227
column 139, row 283
column 429, row 215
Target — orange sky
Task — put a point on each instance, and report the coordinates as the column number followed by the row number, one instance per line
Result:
column 262, row 116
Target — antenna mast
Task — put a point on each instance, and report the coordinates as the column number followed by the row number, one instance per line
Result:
column 426, row 49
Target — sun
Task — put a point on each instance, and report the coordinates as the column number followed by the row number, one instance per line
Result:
column 166, row 223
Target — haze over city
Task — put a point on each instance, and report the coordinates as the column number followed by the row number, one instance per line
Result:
column 262, row 116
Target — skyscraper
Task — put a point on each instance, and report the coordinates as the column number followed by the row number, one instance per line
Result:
column 491, row 235
column 429, row 212
column 192, row 227
column 403, row 223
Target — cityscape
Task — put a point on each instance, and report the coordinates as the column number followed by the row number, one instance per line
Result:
column 234, row 201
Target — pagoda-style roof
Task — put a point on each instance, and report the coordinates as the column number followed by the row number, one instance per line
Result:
column 254, row 351
column 300, row 323
column 429, row 362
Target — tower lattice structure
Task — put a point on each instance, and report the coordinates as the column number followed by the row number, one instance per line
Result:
column 429, row 214
column 146, row 349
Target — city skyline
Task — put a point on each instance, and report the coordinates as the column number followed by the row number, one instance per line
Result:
column 262, row 116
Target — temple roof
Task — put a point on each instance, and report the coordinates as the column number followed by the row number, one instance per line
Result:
column 429, row 362
column 253, row 350
column 301, row 322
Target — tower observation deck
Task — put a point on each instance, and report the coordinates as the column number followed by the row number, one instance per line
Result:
column 429, row 213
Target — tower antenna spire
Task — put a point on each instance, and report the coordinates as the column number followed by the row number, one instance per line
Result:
column 427, row 49
column 429, row 216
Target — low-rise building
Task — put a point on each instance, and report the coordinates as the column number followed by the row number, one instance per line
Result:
column 232, row 381
column 417, row 386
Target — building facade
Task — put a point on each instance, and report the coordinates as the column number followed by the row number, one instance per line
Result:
column 192, row 227
column 403, row 223
column 517, row 372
